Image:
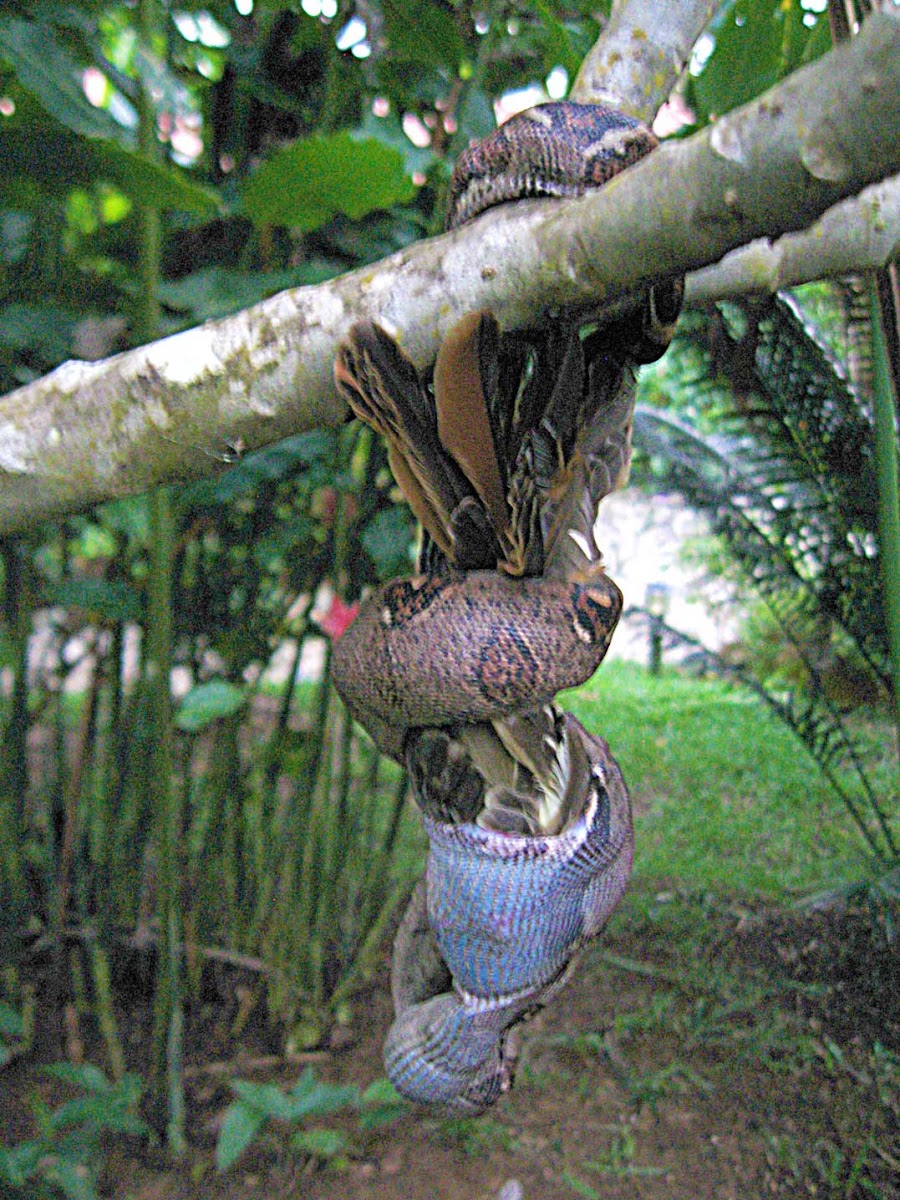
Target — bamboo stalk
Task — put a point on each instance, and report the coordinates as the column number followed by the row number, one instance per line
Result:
column 168, row 1016
column 106, row 1017
column 884, row 405
column 13, row 759
column 167, row 1001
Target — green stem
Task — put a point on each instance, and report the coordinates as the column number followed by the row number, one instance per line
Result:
column 13, row 738
column 150, row 232
column 168, row 1016
column 166, row 795
column 106, row 1017
column 885, row 436
column 474, row 85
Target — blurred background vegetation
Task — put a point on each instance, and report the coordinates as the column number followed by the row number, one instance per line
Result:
column 164, row 164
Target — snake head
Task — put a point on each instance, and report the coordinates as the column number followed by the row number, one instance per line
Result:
column 504, row 453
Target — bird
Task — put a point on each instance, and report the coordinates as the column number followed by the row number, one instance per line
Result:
column 503, row 452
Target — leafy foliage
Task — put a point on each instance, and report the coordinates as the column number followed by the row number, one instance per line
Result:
column 259, row 1104
column 310, row 181
column 787, row 482
column 776, row 38
column 66, row 1157
column 12, row 1031
column 279, row 861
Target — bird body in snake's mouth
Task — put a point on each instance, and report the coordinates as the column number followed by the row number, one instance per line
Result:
column 503, row 452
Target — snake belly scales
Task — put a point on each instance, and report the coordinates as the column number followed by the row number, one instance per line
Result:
column 504, row 453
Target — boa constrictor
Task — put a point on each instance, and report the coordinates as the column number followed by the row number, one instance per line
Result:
column 504, row 454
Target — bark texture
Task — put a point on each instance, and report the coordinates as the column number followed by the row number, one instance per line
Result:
column 644, row 44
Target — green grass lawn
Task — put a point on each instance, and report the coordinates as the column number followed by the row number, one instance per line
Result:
column 725, row 796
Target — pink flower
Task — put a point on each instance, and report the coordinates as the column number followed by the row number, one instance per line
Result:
column 338, row 617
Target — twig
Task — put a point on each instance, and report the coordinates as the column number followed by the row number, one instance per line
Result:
column 147, row 939
column 862, row 233
column 263, row 1062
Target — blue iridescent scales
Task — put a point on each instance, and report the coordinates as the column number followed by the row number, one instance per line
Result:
column 504, row 452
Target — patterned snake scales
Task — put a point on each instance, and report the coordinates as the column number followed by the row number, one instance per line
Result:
column 504, row 455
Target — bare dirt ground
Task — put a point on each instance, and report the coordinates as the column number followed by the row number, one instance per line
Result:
column 704, row 1050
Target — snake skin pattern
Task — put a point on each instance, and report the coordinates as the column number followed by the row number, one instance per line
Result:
column 504, row 454
column 434, row 650
column 558, row 150
column 493, row 935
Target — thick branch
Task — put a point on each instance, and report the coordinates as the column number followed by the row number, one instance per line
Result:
column 636, row 62
column 162, row 412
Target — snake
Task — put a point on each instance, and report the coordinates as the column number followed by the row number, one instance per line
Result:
column 503, row 450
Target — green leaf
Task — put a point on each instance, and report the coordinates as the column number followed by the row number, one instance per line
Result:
column 11, row 1023
column 307, row 183
column 165, row 186
column 111, row 600
column 559, row 51
column 208, row 702
column 274, row 463
column 757, row 42
column 381, row 1104
column 319, row 1143
column 47, row 70
column 389, row 132
column 82, row 1075
column 17, row 1164
column 819, row 41
column 420, row 31
column 218, row 291
column 582, row 1189
column 381, row 1091
column 56, row 160
column 46, row 329
column 387, row 540
column 72, row 1178
column 129, row 517
column 240, row 1126
column 266, row 1098
column 86, row 1114
column 476, row 113
column 321, row 1099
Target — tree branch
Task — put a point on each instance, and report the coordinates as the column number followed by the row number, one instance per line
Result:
column 639, row 56
column 859, row 234
column 92, row 431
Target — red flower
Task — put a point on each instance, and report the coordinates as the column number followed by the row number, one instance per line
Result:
column 338, row 618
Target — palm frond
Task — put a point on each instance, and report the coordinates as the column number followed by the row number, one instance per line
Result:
column 780, row 460
column 787, row 477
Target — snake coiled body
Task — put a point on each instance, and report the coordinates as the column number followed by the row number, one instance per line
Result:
column 504, row 454
column 433, row 650
column 499, row 921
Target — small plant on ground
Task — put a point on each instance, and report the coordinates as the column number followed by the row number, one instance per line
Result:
column 260, row 1105
column 15, row 1032
column 616, row 1161
column 476, row 1136
column 66, row 1156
